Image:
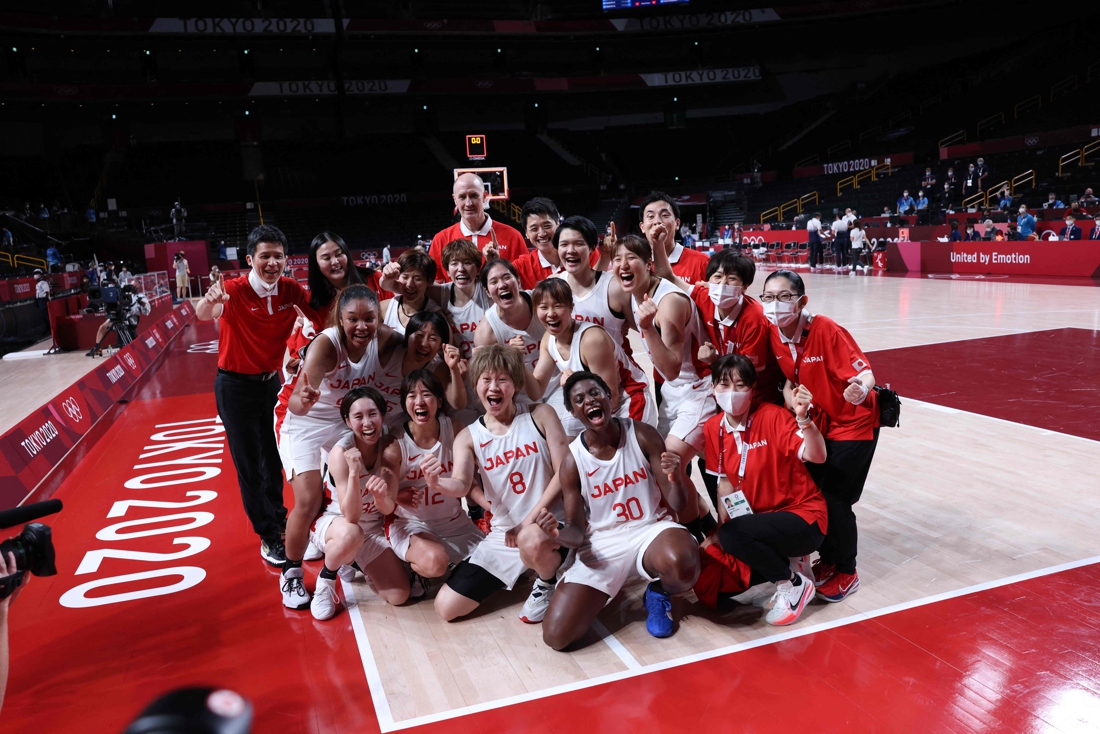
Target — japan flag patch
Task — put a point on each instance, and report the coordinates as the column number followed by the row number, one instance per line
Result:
column 859, row 365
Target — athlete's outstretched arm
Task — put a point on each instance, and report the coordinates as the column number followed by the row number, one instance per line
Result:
column 535, row 381
column 665, row 466
column 663, row 268
column 666, row 346
column 462, row 475
column 321, row 358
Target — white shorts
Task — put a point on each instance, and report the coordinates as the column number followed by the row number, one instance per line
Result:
column 458, row 535
column 498, row 559
column 374, row 537
column 684, row 410
column 613, row 557
column 302, row 441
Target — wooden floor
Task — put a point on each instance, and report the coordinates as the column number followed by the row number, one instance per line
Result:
column 39, row 379
column 955, row 500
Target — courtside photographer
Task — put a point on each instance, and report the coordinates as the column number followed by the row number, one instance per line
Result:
column 123, row 307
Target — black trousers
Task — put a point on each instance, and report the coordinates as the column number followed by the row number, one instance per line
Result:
column 841, row 479
column 766, row 541
column 815, row 249
column 247, row 410
column 841, row 243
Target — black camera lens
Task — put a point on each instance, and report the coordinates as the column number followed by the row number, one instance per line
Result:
column 33, row 550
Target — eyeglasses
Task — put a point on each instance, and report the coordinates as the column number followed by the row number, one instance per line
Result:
column 784, row 296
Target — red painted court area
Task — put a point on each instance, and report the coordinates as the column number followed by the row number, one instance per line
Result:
column 93, row 645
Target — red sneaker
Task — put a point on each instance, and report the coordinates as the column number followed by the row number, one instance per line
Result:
column 839, row 587
column 823, row 572
column 484, row 522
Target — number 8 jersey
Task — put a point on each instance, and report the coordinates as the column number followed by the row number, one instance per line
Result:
column 619, row 491
column 515, row 468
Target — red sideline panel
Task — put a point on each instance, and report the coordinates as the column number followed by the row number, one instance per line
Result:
column 1078, row 259
column 31, row 449
column 16, row 289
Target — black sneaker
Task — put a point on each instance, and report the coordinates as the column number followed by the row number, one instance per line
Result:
column 273, row 552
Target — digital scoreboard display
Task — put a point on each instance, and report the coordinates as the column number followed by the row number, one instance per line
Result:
column 476, row 147
column 630, row 4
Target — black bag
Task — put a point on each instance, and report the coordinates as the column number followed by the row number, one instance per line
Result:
column 889, row 407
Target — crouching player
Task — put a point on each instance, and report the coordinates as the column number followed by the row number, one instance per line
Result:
column 350, row 528
column 517, row 450
column 631, row 531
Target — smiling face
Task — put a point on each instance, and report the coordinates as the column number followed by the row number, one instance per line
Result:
column 660, row 214
column 359, row 320
column 463, row 272
column 413, row 284
column 540, row 231
column 574, row 251
column 555, row 316
column 721, row 277
column 631, row 270
column 333, row 263
column 503, row 287
column 365, row 421
column 591, row 404
column 425, row 343
column 268, row 261
column 421, row 404
column 469, row 197
column 496, row 390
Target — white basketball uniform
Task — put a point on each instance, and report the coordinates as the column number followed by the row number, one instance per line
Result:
column 303, row 438
column 438, row 514
column 370, row 522
column 393, row 313
column 626, row 513
column 388, row 379
column 466, row 318
column 634, row 396
column 687, row 400
column 532, row 338
column 593, row 308
column 515, row 469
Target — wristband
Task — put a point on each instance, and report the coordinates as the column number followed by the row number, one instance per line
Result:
column 802, row 423
column 864, row 389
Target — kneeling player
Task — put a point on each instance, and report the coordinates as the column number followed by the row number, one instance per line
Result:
column 517, row 450
column 631, row 531
column 350, row 528
column 432, row 530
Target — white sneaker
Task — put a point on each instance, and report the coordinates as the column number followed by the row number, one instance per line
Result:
column 295, row 595
column 324, row 601
column 789, row 601
column 802, row 565
column 534, row 609
column 313, row 553
column 346, row 573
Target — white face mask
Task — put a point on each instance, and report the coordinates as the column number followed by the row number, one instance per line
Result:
column 1023, row 210
column 781, row 313
column 725, row 296
column 733, row 402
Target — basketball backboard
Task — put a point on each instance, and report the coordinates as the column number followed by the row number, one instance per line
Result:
column 496, row 181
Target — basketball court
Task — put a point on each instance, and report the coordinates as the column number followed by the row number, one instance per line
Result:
column 978, row 556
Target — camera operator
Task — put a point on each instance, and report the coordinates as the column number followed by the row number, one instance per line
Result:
column 7, row 568
column 179, row 215
column 183, row 273
column 131, row 306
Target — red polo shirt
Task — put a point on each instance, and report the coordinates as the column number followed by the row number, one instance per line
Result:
column 688, row 265
column 254, row 330
column 750, row 335
column 510, row 244
column 825, row 357
column 775, row 480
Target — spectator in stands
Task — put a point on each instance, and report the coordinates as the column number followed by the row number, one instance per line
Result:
column 1078, row 211
column 1071, row 231
column 386, row 257
column 929, row 180
column 947, row 203
column 905, row 203
column 954, row 236
column 1013, row 233
column 887, row 212
column 841, row 241
column 922, row 201
column 179, row 215
column 26, row 210
column 6, row 240
column 85, row 283
column 1004, row 200
column 1026, row 222
column 109, row 275
column 813, row 235
column 991, row 231
column 1087, row 197
column 970, row 183
column 998, row 236
column 1095, row 233
column 223, row 251
column 42, row 293
column 125, row 276
column 1053, row 202
column 54, row 263
column 983, row 174
column 971, row 235
column 93, row 275
column 43, row 211
column 475, row 225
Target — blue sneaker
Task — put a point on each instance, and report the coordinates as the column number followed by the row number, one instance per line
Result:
column 659, row 607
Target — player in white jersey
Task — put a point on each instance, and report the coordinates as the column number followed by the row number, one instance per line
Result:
column 616, row 482
column 431, row 529
column 426, row 346
column 307, row 415
column 350, row 530
column 413, row 271
column 672, row 333
column 516, row 450
column 576, row 346
column 511, row 321
column 598, row 297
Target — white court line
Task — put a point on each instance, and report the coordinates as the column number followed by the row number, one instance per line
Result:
column 616, row 647
column 386, row 723
column 944, row 409
column 374, row 680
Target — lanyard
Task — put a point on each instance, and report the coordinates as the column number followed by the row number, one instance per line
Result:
column 798, row 351
column 743, row 442
column 720, row 332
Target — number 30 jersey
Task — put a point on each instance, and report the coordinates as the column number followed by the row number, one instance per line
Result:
column 434, row 506
column 619, row 491
column 515, row 468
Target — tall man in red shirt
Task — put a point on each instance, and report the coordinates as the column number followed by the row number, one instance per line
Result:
column 257, row 314
column 475, row 225
column 660, row 221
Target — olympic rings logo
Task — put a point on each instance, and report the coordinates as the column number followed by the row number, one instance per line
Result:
column 72, row 409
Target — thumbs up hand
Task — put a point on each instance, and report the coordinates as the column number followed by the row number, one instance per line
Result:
column 647, row 312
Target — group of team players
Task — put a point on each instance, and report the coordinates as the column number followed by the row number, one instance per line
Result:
column 489, row 417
